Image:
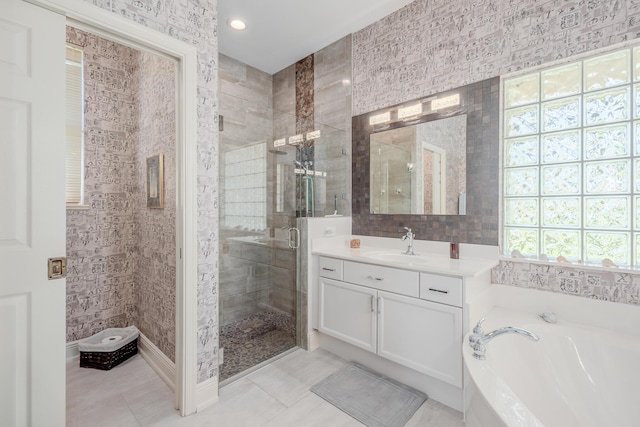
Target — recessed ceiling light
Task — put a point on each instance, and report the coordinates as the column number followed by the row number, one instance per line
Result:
column 237, row 24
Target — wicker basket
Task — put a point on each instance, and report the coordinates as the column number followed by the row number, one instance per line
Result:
column 107, row 360
column 108, row 348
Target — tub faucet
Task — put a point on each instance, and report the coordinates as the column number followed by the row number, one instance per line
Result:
column 409, row 236
column 478, row 339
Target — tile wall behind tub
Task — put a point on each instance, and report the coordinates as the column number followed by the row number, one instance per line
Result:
column 603, row 285
column 195, row 22
column 430, row 46
column 102, row 240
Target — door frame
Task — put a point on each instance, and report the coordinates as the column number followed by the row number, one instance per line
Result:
column 135, row 35
column 439, row 192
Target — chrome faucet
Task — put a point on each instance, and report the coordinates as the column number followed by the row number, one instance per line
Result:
column 478, row 339
column 409, row 236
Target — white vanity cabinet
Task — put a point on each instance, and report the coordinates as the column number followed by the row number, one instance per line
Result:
column 380, row 310
column 422, row 335
column 348, row 312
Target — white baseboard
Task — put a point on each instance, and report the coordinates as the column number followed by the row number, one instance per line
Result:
column 158, row 361
column 314, row 340
column 206, row 394
column 72, row 351
column 206, row 391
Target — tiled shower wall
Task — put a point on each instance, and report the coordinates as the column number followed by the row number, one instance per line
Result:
column 434, row 45
column 328, row 105
column 194, row 22
column 245, row 103
column 332, row 108
column 122, row 254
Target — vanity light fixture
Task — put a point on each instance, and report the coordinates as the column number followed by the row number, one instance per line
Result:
column 446, row 102
column 237, row 24
column 410, row 111
column 380, row 118
column 296, row 139
column 280, row 142
column 312, row 135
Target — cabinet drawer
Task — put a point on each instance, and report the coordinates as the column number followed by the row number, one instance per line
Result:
column 384, row 278
column 443, row 289
column 330, row 267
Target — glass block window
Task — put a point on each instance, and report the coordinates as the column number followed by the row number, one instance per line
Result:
column 245, row 188
column 571, row 160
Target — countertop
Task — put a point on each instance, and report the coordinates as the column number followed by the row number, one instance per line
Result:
column 424, row 261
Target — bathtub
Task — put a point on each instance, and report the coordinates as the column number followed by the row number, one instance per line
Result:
column 576, row 375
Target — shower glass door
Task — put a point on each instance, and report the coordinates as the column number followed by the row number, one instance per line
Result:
column 268, row 178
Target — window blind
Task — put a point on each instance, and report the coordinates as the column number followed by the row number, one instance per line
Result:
column 74, row 126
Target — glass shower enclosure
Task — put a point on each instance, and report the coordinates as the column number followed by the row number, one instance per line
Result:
column 270, row 175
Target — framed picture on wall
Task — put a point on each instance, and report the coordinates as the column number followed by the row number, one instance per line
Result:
column 155, row 181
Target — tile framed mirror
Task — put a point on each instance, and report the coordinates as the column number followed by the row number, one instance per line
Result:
column 477, row 198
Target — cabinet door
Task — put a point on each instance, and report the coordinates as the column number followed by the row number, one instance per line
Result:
column 348, row 312
column 421, row 335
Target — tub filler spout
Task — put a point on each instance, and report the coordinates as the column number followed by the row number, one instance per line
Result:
column 478, row 340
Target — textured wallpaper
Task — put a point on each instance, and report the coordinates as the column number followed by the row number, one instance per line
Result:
column 430, row 46
column 121, row 253
column 101, row 241
column 155, row 274
column 194, row 22
column 603, row 285
column 434, row 45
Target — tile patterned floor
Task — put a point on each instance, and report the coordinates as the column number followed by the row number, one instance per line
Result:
column 132, row 395
column 253, row 340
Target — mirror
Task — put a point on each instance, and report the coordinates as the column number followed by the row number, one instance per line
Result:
column 479, row 102
column 419, row 169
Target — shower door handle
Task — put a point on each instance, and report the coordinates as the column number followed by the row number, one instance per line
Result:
column 295, row 242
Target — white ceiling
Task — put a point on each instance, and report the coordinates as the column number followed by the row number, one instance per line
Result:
column 281, row 32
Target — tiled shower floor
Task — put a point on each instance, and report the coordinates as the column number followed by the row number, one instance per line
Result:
column 253, row 340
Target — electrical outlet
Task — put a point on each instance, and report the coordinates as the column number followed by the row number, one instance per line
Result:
column 330, row 231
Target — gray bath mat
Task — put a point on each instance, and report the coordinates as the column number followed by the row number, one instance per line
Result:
column 372, row 399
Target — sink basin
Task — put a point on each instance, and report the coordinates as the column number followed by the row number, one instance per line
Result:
column 396, row 257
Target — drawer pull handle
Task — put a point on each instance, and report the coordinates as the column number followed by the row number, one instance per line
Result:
column 328, row 269
column 375, row 278
column 438, row 290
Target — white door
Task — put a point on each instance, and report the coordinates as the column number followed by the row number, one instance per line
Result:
column 32, row 215
column 422, row 335
column 348, row 312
